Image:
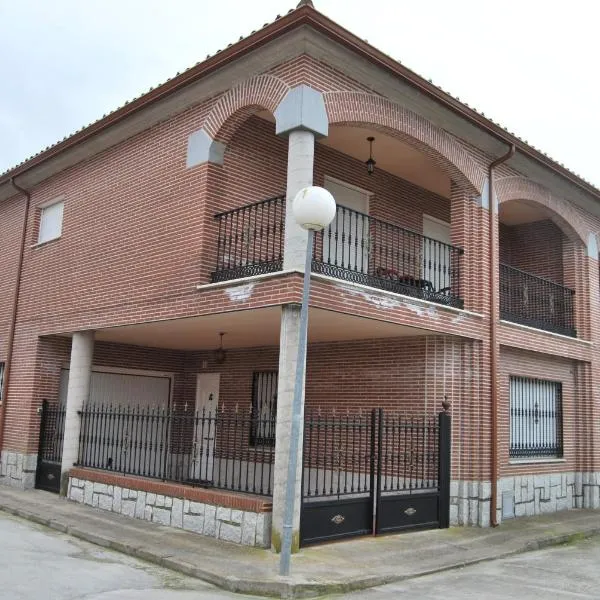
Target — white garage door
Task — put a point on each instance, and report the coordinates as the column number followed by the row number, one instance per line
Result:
column 111, row 437
column 121, row 389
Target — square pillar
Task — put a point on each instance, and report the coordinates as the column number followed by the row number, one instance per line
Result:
column 288, row 358
column 78, row 392
column 301, row 156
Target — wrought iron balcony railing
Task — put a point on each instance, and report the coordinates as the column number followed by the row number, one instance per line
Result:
column 250, row 240
column 535, row 301
column 362, row 249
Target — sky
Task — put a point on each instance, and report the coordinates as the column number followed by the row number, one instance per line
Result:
column 530, row 65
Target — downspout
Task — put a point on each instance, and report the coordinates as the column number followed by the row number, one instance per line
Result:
column 13, row 321
column 494, row 311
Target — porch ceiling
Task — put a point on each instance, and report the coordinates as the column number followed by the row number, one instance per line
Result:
column 519, row 213
column 390, row 153
column 249, row 328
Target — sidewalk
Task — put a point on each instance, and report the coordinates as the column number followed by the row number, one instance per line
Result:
column 326, row 569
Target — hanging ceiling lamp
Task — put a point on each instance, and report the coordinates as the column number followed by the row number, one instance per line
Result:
column 220, row 352
column 371, row 162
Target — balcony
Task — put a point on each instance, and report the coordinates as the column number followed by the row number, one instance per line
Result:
column 362, row 249
column 250, row 240
column 535, row 301
column 355, row 247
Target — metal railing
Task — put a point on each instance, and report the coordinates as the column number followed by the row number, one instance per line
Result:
column 52, row 430
column 362, row 249
column 535, row 301
column 190, row 447
column 535, row 418
column 250, row 240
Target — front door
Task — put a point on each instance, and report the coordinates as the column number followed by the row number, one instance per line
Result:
column 436, row 253
column 205, row 430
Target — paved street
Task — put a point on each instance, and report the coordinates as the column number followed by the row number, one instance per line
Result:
column 37, row 563
column 564, row 572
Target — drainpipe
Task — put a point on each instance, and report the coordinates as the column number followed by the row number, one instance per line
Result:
column 494, row 310
column 13, row 321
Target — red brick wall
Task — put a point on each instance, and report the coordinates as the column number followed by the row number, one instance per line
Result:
column 534, row 247
column 11, row 220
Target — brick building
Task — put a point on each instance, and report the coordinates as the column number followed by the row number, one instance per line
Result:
column 129, row 248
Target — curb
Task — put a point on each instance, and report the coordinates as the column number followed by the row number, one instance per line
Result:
column 281, row 588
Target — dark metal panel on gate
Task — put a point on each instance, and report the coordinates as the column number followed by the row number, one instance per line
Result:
column 336, row 519
column 406, row 511
column 52, row 427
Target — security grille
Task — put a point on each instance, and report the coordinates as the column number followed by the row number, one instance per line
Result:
column 264, row 408
column 535, row 418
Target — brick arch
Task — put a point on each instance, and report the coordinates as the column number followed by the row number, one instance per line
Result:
column 368, row 110
column 263, row 92
column 565, row 216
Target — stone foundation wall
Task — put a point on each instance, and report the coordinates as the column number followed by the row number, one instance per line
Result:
column 523, row 496
column 237, row 526
column 18, row 470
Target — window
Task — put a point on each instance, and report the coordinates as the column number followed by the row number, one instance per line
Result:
column 264, row 408
column 51, row 218
column 1, row 379
column 535, row 418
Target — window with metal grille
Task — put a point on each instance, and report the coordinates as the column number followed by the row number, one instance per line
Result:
column 264, row 408
column 535, row 418
column 1, row 379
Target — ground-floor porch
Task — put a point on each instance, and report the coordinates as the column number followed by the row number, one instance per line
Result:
column 169, row 404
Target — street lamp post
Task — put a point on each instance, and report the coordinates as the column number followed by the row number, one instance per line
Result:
column 313, row 209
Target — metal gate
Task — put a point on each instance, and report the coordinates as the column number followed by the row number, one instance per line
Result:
column 52, row 428
column 374, row 472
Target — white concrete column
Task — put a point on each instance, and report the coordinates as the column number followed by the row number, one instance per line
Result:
column 78, row 392
column 288, row 354
column 301, row 155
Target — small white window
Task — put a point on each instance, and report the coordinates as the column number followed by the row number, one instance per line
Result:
column 51, row 219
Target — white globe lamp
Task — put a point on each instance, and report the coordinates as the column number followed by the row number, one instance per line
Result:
column 313, row 208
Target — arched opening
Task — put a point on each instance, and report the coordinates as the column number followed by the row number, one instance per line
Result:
column 247, row 197
column 537, row 287
column 393, row 228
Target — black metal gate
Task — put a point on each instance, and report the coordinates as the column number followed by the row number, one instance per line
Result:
column 374, row 472
column 52, row 428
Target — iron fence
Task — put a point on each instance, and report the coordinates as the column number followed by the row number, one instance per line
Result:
column 362, row 249
column 192, row 447
column 52, row 429
column 535, row 301
column 408, row 452
column 350, row 454
column 250, row 240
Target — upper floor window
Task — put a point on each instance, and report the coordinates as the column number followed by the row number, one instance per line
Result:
column 535, row 418
column 51, row 218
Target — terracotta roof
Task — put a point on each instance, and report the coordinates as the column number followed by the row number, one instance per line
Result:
column 303, row 14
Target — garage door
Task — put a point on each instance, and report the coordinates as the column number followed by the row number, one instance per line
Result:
column 121, row 442
column 121, row 389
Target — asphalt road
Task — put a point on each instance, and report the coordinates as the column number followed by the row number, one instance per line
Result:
column 38, row 563
column 566, row 572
